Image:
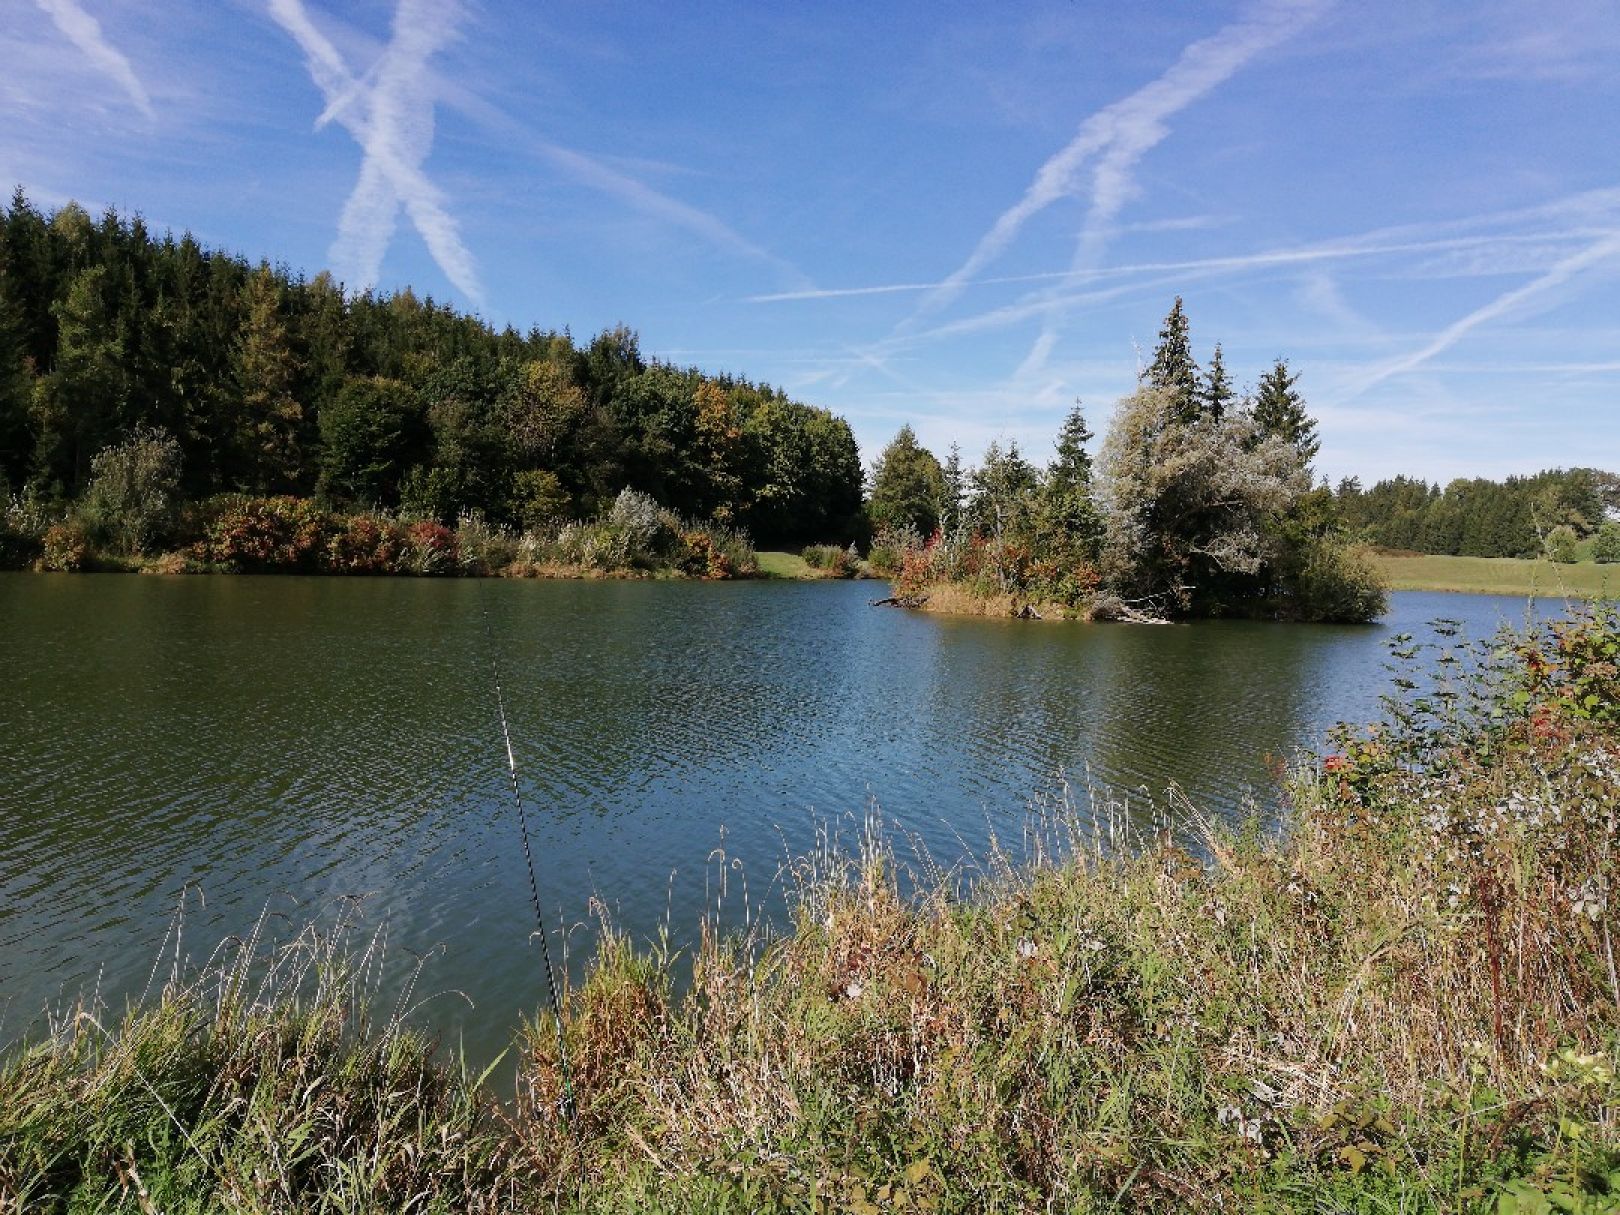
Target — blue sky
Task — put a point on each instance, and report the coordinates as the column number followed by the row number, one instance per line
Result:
column 961, row 216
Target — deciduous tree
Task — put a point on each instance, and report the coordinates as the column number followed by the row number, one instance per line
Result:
column 907, row 485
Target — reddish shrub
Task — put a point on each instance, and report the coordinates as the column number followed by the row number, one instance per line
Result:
column 282, row 533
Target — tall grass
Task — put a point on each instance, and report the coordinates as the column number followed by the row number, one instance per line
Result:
column 271, row 1082
column 1403, row 998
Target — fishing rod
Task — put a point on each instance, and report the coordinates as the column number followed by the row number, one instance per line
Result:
column 568, row 1105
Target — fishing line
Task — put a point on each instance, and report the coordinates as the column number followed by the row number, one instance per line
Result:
column 568, row 1108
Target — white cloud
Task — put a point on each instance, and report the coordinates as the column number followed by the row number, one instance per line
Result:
column 390, row 115
column 84, row 31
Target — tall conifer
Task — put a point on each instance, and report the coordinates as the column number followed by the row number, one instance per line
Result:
column 1279, row 409
column 1216, row 391
column 1173, row 367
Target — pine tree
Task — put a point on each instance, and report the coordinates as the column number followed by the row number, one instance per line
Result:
column 1173, row 367
column 16, row 389
column 1215, row 394
column 1279, row 411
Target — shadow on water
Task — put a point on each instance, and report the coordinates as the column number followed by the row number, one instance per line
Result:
column 286, row 741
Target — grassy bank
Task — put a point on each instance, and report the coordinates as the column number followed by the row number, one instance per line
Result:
column 1499, row 576
column 1403, row 1000
column 814, row 563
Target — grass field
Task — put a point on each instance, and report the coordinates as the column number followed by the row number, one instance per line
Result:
column 792, row 565
column 1500, row 576
column 784, row 565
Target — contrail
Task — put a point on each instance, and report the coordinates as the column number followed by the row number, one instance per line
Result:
column 392, row 121
column 84, row 31
column 1557, row 274
column 1122, row 132
column 1140, row 122
column 594, row 173
column 1338, row 249
column 644, row 198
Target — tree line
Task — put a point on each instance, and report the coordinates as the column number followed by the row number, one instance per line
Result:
column 270, row 383
column 1545, row 514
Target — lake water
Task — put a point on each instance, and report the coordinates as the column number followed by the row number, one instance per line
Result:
column 285, row 742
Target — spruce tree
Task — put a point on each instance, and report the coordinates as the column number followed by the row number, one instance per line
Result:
column 1279, row 411
column 1071, row 471
column 1069, row 515
column 1215, row 394
column 1173, row 367
column 78, row 407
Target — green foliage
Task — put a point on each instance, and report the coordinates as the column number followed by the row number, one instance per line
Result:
column 1279, row 412
column 1173, row 369
column 83, row 400
column 1193, row 509
column 275, row 385
column 134, row 492
column 270, row 427
column 1190, row 508
column 889, row 548
column 1606, row 544
column 1334, row 581
column 1561, row 544
column 1003, row 497
column 367, row 435
column 539, row 499
column 23, row 524
column 908, row 486
column 1215, row 393
column 1474, row 517
column 953, row 491
column 1068, row 523
column 832, row 561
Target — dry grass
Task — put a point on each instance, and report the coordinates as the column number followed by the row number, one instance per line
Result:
column 956, row 599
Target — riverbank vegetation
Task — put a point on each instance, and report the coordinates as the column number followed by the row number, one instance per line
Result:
column 246, row 380
column 1401, row 998
column 1199, row 504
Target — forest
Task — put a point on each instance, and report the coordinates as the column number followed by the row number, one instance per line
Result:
column 269, row 384
column 1548, row 514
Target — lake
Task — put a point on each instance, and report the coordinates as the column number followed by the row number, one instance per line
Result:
column 282, row 743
